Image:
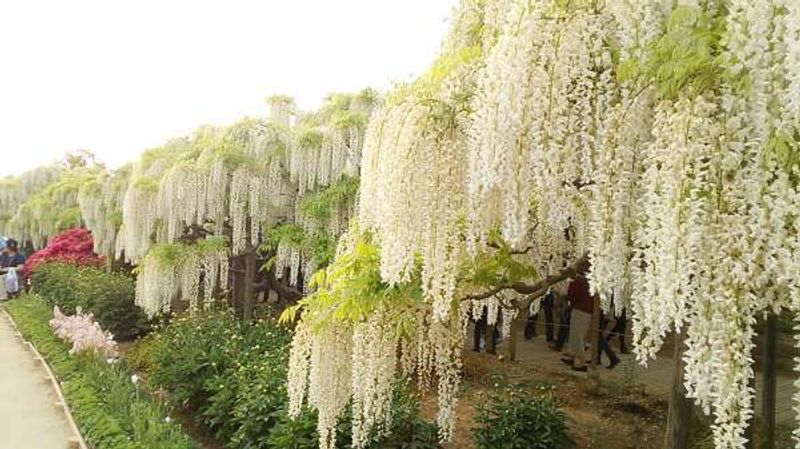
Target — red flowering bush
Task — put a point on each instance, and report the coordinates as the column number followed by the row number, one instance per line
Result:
column 74, row 246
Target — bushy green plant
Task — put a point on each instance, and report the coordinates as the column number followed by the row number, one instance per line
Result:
column 108, row 296
column 111, row 411
column 184, row 357
column 232, row 377
column 407, row 429
column 298, row 433
column 515, row 419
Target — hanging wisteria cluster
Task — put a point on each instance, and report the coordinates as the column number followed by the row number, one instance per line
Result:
column 15, row 190
column 187, row 273
column 49, row 203
column 100, row 204
column 355, row 356
column 323, row 163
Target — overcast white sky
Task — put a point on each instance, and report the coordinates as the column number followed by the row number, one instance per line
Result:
column 118, row 77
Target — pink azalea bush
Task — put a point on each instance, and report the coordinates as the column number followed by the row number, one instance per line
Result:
column 84, row 333
column 73, row 246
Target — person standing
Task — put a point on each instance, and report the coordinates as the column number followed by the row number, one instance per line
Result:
column 549, row 326
column 3, row 252
column 580, row 322
column 11, row 263
column 562, row 336
column 480, row 329
column 604, row 346
column 619, row 330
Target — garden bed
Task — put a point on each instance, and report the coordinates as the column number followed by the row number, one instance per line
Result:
column 110, row 409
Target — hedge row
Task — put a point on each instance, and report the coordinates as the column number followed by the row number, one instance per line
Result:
column 111, row 411
column 108, row 296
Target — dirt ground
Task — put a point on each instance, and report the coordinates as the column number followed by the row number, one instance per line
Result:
column 601, row 415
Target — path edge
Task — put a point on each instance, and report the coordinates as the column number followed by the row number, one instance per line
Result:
column 54, row 382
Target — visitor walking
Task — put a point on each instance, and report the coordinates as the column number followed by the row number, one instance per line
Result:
column 618, row 330
column 11, row 263
column 604, row 346
column 563, row 324
column 580, row 321
column 480, row 329
column 3, row 295
column 479, row 334
column 548, row 303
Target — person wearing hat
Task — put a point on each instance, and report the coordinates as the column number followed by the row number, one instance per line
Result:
column 11, row 262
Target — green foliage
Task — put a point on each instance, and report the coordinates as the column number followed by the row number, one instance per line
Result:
column 785, row 149
column 352, row 288
column 167, row 254
column 309, row 138
column 110, row 410
column 318, row 205
column 210, row 245
column 498, row 266
column 445, row 67
column 407, row 429
column 317, row 243
column 298, row 433
column 108, row 296
column 514, row 419
column 687, row 58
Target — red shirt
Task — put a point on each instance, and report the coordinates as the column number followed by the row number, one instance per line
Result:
column 580, row 294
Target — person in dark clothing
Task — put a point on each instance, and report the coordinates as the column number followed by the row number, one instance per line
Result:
column 563, row 326
column 549, row 325
column 603, row 346
column 530, row 326
column 480, row 330
column 619, row 330
column 11, row 262
column 479, row 334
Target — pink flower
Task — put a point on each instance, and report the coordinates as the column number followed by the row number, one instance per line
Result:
column 73, row 246
column 84, row 333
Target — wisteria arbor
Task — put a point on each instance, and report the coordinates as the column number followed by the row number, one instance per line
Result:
column 657, row 140
column 15, row 191
column 216, row 203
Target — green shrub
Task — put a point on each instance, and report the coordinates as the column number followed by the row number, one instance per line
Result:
column 232, row 378
column 298, row 433
column 407, row 430
column 517, row 420
column 110, row 410
column 108, row 296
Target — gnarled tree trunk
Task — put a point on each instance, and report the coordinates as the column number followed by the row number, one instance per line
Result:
column 679, row 417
